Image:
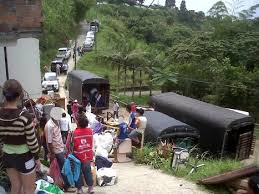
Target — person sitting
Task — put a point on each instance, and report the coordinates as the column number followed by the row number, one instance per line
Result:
column 132, row 118
column 83, row 151
column 141, row 123
column 123, row 127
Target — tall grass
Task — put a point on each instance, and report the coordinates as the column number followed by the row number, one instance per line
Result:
column 149, row 156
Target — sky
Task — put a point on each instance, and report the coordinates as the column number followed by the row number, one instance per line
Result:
column 203, row 5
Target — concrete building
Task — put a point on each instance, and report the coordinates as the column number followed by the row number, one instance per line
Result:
column 20, row 27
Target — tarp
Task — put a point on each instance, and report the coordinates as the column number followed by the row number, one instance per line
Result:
column 212, row 121
column 161, row 126
column 87, row 78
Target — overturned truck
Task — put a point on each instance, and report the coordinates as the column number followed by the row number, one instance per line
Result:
column 162, row 127
column 222, row 131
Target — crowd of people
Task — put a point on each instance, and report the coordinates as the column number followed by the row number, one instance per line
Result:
column 20, row 142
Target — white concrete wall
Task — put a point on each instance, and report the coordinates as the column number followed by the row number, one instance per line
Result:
column 23, row 65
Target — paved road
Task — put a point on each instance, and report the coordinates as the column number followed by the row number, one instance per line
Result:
column 135, row 179
column 71, row 63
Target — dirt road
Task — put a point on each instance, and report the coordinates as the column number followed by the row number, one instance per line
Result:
column 134, row 179
column 71, row 62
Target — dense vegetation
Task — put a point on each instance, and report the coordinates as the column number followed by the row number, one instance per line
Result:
column 213, row 58
column 61, row 19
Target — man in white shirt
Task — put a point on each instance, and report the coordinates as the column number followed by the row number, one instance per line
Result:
column 65, row 126
column 141, row 123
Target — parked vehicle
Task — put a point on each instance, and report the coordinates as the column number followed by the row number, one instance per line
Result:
column 94, row 28
column 50, row 82
column 87, row 87
column 86, row 48
column 64, row 53
column 63, row 65
column 162, row 127
column 95, row 22
column 89, row 41
column 222, row 131
column 91, row 35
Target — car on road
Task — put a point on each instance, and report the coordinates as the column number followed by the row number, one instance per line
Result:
column 95, row 25
column 63, row 65
column 87, row 47
column 88, row 41
column 91, row 35
column 50, row 82
column 64, row 52
column 94, row 28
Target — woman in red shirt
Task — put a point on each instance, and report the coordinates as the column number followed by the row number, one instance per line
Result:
column 83, row 151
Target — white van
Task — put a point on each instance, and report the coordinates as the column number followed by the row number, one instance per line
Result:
column 90, row 34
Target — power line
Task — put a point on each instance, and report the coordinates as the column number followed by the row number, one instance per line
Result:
column 208, row 82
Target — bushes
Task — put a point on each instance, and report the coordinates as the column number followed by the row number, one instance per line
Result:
column 149, row 156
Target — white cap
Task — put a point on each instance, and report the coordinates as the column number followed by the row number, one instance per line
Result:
column 75, row 100
column 56, row 113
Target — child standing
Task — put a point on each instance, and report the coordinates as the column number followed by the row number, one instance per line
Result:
column 83, row 151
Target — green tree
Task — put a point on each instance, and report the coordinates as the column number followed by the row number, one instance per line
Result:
column 249, row 13
column 80, row 7
column 218, row 10
column 170, row 3
column 125, row 55
column 183, row 6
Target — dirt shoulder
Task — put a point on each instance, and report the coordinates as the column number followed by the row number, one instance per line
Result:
column 135, row 179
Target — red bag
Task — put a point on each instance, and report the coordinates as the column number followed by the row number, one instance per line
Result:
column 54, row 172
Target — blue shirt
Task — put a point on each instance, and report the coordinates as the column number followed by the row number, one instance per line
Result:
column 123, row 131
column 132, row 119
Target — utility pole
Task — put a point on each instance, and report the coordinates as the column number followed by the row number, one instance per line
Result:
column 6, row 63
column 95, row 37
column 75, row 51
